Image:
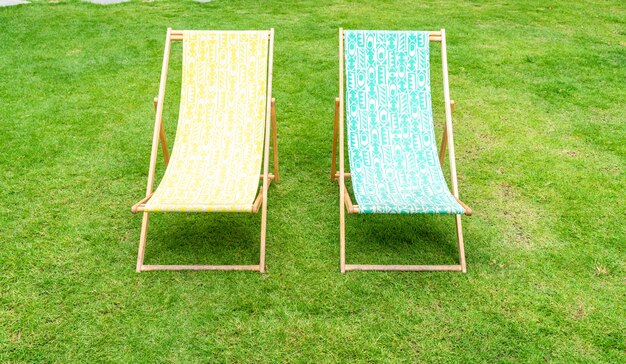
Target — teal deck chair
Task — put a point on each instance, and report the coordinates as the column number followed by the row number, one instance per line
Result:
column 394, row 164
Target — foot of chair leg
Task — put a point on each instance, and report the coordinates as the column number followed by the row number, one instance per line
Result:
column 459, row 236
column 142, row 241
column 263, row 235
column 342, row 240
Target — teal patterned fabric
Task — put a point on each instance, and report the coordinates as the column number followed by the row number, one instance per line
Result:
column 391, row 140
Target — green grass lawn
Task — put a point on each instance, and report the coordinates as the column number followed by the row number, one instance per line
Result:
column 540, row 138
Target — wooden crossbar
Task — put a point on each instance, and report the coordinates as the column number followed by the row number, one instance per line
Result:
column 147, row 267
column 178, row 34
column 406, row 268
column 432, row 36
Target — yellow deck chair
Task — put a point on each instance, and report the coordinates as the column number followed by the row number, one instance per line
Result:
column 223, row 133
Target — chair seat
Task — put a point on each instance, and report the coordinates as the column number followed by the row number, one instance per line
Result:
column 394, row 162
column 399, row 189
column 413, row 201
column 194, row 200
column 189, row 188
column 208, row 206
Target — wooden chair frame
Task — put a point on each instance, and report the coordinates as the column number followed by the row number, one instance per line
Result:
column 344, row 197
column 159, row 138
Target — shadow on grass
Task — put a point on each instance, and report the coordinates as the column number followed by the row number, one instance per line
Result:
column 203, row 238
column 401, row 239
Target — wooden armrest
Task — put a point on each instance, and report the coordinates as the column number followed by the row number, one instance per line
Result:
column 138, row 206
column 468, row 210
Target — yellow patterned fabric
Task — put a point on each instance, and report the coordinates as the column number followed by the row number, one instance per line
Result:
column 218, row 150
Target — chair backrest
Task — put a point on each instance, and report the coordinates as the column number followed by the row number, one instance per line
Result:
column 223, row 109
column 391, row 139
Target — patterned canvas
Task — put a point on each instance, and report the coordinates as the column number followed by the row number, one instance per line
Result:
column 217, row 154
column 391, row 140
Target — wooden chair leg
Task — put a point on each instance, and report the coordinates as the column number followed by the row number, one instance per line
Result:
column 459, row 236
column 263, row 235
column 342, row 245
column 166, row 154
column 333, row 163
column 444, row 139
column 342, row 236
column 442, row 149
column 142, row 241
column 274, row 141
column 266, row 153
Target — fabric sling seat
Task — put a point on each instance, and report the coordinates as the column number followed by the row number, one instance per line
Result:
column 217, row 153
column 394, row 164
column 222, row 138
